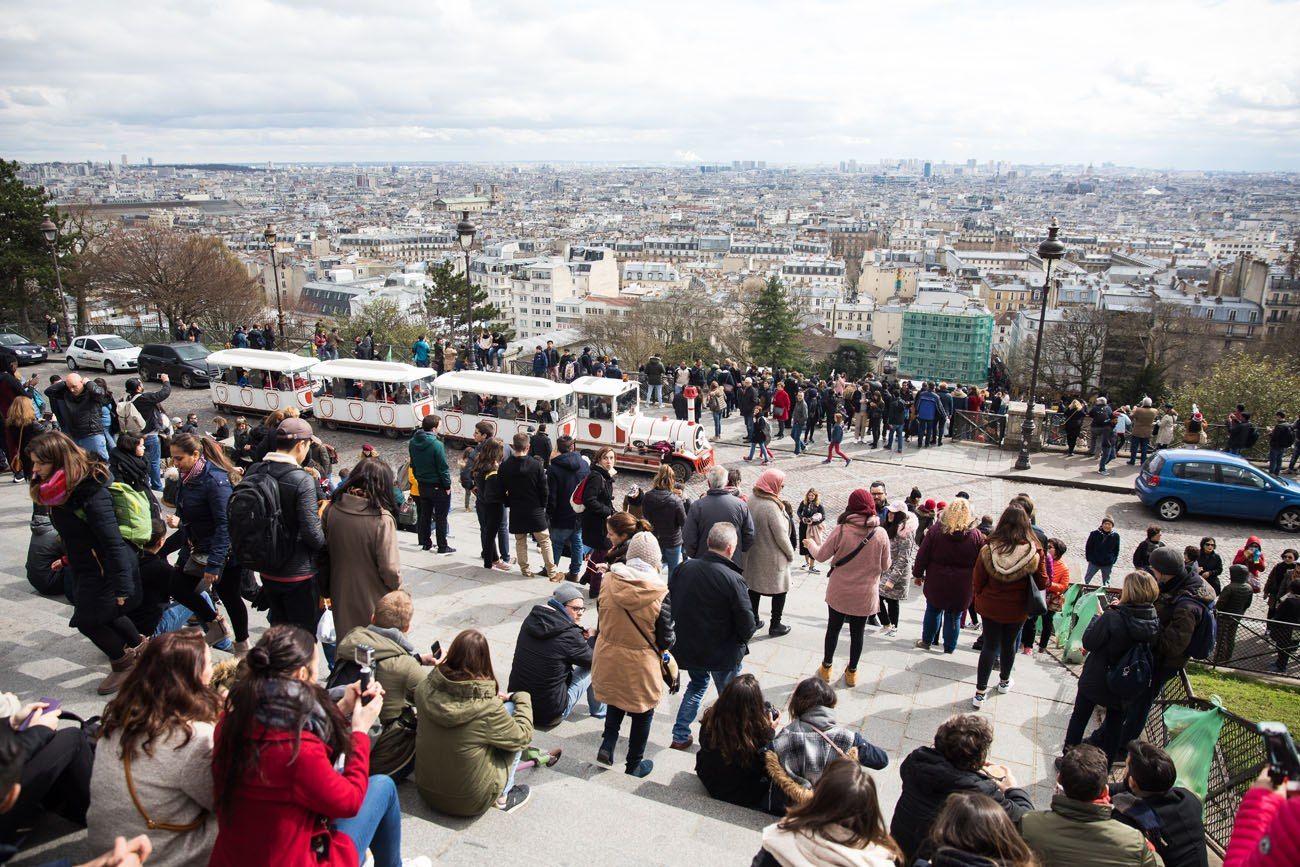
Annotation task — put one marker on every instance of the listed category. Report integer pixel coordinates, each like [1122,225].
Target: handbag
[849,556]
[149,822]
[667,665]
[1035,600]
[196,565]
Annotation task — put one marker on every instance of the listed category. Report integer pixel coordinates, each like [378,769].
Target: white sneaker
[417,861]
[1004,687]
[978,701]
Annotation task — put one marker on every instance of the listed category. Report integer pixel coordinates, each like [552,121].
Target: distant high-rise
[124,162]
[151,162]
[925,172]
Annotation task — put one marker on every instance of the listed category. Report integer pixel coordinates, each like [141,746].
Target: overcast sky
[1213,85]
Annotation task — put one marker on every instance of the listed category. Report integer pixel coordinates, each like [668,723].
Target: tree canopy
[445,301]
[774,328]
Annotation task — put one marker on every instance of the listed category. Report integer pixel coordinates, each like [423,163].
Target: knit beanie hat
[1167,561]
[566,593]
[1238,573]
[645,547]
[861,503]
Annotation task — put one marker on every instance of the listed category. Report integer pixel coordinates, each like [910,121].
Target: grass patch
[1255,700]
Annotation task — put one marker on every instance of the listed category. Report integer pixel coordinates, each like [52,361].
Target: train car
[507,402]
[258,381]
[379,395]
[609,414]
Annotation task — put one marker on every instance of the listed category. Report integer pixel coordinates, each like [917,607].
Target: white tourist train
[382,395]
[258,381]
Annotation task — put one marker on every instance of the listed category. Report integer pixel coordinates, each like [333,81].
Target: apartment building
[947,343]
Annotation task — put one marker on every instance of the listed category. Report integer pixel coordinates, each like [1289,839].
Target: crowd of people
[300,738]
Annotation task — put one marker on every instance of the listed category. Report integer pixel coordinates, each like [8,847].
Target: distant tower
[925,172]
[124,162]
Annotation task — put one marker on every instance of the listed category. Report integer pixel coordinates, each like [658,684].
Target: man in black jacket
[523,481]
[150,406]
[746,399]
[82,400]
[714,623]
[1168,816]
[564,474]
[290,593]
[553,658]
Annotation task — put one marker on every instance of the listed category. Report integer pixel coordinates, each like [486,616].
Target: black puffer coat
[102,562]
[1107,639]
[550,646]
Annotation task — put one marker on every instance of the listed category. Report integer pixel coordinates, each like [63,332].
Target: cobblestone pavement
[901,697]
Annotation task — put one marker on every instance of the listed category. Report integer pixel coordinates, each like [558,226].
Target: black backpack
[259,535]
[1132,672]
[1207,629]
[1252,435]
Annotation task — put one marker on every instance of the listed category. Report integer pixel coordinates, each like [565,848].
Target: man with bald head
[82,400]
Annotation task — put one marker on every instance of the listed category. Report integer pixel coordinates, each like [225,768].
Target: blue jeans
[96,444]
[655,393]
[762,447]
[925,433]
[796,432]
[951,627]
[749,429]
[580,684]
[1093,569]
[717,425]
[377,826]
[693,695]
[568,539]
[514,763]
[1133,444]
[1275,460]
[1107,455]
[672,557]
[153,454]
[894,438]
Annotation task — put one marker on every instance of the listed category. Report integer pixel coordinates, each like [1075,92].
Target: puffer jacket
[82,412]
[945,562]
[1107,639]
[298,505]
[465,742]
[666,512]
[102,564]
[550,646]
[928,779]
[201,506]
[634,607]
[1001,580]
[1180,607]
[562,478]
[1266,832]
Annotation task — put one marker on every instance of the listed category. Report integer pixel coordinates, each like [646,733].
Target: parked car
[102,350]
[186,363]
[1177,481]
[18,347]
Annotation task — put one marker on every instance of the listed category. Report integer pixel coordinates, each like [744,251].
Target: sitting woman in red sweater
[279,799]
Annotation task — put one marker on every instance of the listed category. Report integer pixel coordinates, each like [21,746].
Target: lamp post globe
[270,236]
[50,231]
[1050,250]
[465,231]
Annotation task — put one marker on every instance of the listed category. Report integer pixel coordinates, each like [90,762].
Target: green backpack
[134,517]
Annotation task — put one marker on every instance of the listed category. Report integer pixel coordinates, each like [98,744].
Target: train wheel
[330,424]
[392,433]
[682,469]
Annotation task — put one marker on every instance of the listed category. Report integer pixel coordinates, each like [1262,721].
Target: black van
[186,363]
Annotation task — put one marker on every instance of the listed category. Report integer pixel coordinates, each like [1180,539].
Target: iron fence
[1239,756]
[1054,433]
[1248,643]
[1218,436]
[989,428]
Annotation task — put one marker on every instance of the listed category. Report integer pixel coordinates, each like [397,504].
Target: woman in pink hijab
[769,557]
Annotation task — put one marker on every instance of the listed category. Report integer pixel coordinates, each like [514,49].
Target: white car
[103,350]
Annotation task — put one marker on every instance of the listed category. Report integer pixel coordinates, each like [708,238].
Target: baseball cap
[293,429]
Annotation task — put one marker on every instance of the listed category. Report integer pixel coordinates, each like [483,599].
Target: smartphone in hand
[51,705]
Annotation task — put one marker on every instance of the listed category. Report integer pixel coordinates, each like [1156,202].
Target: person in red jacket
[279,800]
[1267,828]
[1251,555]
[781,410]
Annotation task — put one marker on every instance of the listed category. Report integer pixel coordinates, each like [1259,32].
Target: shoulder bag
[855,552]
[1036,597]
[667,665]
[139,808]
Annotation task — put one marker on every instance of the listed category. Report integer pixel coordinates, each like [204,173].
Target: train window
[401,394]
[627,400]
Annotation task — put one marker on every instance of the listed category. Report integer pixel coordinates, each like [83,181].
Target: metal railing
[1054,433]
[1255,644]
[1239,756]
[989,428]
[1218,436]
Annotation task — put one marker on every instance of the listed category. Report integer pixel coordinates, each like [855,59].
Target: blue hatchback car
[1177,481]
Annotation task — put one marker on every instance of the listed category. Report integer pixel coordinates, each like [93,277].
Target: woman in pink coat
[858,550]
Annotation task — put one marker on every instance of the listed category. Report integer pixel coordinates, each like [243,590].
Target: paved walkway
[580,811]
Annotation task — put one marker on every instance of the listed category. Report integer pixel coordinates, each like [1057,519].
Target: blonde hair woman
[1108,639]
[943,568]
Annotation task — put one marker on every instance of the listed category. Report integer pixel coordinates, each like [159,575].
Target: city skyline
[334,82]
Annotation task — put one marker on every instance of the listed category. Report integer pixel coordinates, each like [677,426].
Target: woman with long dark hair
[973,828]
[73,484]
[153,764]
[1010,559]
[841,823]
[206,562]
[470,735]
[490,501]
[127,461]
[21,427]
[277,746]
[363,561]
[734,731]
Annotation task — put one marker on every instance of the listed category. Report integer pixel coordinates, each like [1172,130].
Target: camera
[365,660]
[1283,760]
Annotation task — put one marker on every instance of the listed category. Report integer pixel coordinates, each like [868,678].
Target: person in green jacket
[470,737]
[1078,831]
[429,464]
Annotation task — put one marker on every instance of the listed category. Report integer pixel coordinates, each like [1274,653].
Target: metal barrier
[1254,644]
[1218,436]
[1054,433]
[989,428]
[1239,756]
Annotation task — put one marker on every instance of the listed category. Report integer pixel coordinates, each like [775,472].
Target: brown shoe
[555,577]
[120,669]
[824,672]
[850,677]
[527,573]
[683,745]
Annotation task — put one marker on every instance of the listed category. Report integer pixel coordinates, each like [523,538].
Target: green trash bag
[1062,619]
[1086,609]
[1195,734]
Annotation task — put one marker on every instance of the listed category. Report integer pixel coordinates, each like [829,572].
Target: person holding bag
[1010,576]
[858,550]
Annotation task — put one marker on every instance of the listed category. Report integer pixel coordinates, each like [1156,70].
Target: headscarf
[770,483]
[861,503]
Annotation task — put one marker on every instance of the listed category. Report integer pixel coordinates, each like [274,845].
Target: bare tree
[184,277]
[654,327]
[1074,350]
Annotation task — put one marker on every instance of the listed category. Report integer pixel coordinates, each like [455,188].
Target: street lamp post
[51,233]
[1049,251]
[465,231]
[269,235]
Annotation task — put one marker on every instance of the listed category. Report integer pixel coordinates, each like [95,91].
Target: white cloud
[1159,83]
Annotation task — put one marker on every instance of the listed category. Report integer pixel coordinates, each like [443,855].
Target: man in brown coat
[1144,425]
